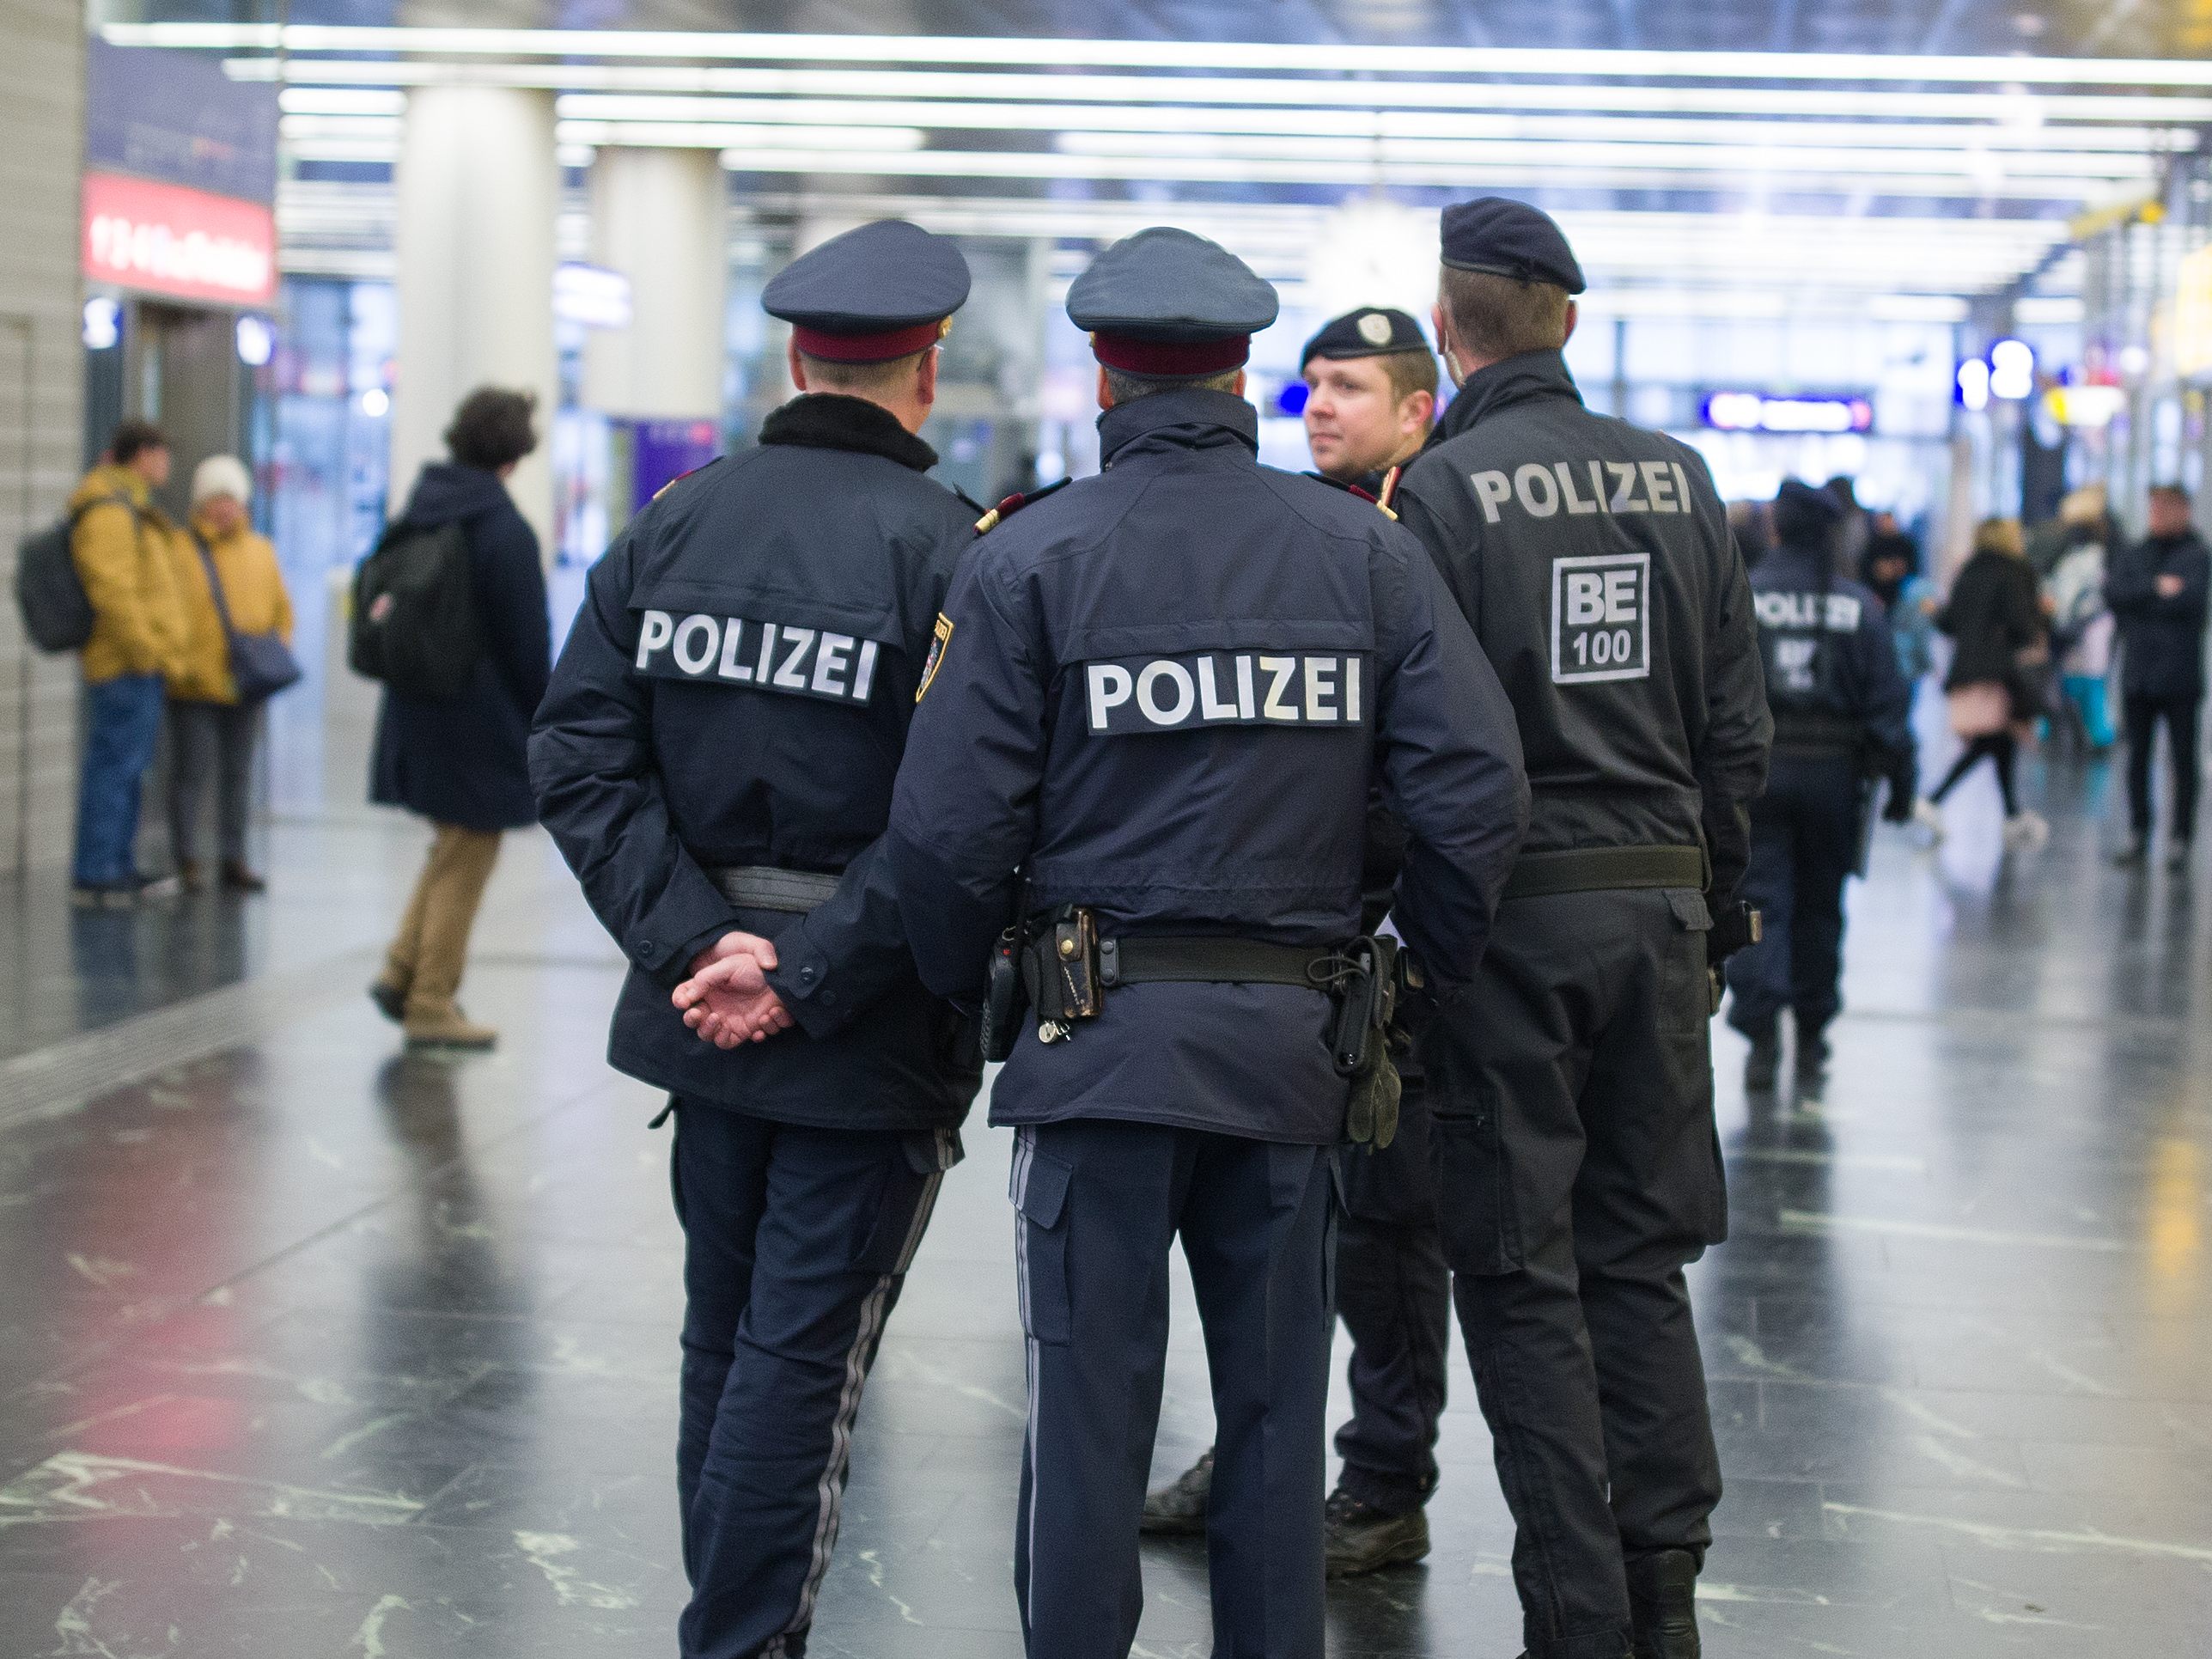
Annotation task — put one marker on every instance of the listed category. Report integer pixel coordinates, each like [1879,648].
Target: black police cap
[879,292]
[1803,512]
[1374,331]
[1165,302]
[1506,238]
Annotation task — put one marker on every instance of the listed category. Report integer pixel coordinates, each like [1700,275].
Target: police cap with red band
[885,290]
[1172,305]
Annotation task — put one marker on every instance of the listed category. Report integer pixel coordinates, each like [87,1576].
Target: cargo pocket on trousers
[1685,985]
[1479,1231]
[1039,1190]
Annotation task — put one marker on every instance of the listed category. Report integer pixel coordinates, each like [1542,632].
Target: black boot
[1662,1600]
[1179,1508]
[1764,1064]
[1811,1054]
[1362,1538]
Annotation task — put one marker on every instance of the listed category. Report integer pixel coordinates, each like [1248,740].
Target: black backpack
[414,614]
[57,611]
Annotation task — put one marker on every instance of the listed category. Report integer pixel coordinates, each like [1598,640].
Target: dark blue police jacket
[1163,692]
[1830,669]
[736,692]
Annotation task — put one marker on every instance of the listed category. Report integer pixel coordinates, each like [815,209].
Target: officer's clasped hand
[728,1000]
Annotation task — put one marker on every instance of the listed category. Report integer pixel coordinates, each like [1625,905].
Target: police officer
[716,758]
[1577,1166]
[1162,695]
[1842,718]
[1371,397]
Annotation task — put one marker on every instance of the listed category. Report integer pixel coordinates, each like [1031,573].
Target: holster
[1060,970]
[1363,1039]
[1006,998]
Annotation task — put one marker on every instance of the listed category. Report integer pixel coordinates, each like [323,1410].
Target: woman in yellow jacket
[212,734]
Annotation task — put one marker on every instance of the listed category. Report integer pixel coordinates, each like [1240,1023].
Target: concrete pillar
[661,218]
[477,189]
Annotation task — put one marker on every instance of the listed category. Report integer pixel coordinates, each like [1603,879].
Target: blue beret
[1165,302]
[1376,331]
[1506,238]
[880,292]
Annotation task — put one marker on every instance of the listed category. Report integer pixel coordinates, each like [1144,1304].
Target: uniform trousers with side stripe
[1101,1205]
[796,1243]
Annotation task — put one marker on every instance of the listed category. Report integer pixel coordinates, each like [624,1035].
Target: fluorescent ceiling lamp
[1358,123]
[1028,51]
[1784,166]
[2015,109]
[2048,311]
[1917,308]
[693,136]
[1547,169]
[341,101]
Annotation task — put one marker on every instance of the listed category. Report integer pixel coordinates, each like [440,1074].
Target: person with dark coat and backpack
[460,760]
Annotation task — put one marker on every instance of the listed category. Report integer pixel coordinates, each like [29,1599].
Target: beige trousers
[426,959]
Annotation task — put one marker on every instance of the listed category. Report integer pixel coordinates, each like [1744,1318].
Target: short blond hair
[2000,535]
[861,380]
[1499,317]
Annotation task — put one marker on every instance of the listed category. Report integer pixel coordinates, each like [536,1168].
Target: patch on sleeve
[939,640]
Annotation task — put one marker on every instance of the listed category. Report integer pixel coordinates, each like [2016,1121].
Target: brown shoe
[445,1027]
[237,878]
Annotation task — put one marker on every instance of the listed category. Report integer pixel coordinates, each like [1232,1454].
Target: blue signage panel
[177,117]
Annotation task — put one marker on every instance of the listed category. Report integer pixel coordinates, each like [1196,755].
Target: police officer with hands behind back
[1842,718]
[1162,695]
[1578,1169]
[1371,395]
[716,760]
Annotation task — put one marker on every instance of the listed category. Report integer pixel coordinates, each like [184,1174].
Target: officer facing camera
[1577,1167]
[716,760]
[1162,695]
[1842,721]
[1371,383]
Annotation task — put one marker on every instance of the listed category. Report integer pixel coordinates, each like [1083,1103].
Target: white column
[661,218]
[478,187]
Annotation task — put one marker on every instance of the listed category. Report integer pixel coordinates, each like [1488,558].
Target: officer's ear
[1574,316]
[798,368]
[1416,412]
[1105,389]
[1237,390]
[925,377]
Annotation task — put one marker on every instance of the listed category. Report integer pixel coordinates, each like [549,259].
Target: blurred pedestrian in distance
[462,762]
[2050,542]
[1996,619]
[121,545]
[1748,523]
[2157,590]
[2082,623]
[1893,572]
[1852,536]
[213,730]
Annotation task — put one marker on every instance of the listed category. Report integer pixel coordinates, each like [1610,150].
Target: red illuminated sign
[165,239]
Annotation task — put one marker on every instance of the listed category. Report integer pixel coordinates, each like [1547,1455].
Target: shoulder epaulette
[680,477]
[1013,503]
[1379,503]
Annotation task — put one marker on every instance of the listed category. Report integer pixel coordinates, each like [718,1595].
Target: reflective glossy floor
[310,1351]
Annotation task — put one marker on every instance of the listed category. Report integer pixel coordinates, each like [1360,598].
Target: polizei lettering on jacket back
[770,656]
[1578,488]
[1224,688]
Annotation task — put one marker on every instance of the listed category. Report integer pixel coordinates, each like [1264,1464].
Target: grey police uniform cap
[881,291]
[1505,238]
[1164,302]
[1373,331]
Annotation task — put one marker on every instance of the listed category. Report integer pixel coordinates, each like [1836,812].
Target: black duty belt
[764,886]
[1604,869]
[1817,733]
[1213,961]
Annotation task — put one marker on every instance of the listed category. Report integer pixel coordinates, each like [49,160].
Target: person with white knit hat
[229,583]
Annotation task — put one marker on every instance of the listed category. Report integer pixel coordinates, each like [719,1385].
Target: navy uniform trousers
[796,1244]
[1394,1294]
[1101,1205]
[1578,1172]
[1805,845]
